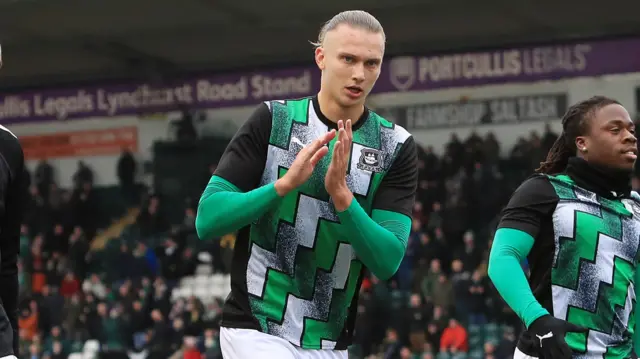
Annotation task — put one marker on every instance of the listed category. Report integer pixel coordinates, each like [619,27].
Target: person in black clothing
[577,221]
[12,199]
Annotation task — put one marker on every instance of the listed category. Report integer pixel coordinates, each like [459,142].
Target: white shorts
[252,344]
[520,355]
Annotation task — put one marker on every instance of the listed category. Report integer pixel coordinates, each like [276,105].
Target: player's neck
[334,112]
[599,179]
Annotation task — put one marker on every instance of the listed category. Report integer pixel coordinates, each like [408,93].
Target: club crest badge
[370,160]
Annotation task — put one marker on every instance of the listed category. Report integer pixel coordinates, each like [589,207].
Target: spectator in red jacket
[190,350]
[454,338]
[70,285]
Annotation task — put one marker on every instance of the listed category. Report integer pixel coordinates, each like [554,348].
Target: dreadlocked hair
[574,124]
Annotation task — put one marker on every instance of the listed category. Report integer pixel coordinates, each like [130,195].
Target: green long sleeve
[510,247]
[224,209]
[380,241]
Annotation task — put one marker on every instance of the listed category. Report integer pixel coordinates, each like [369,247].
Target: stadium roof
[63,41]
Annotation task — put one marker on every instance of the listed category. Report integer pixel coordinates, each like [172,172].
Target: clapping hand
[304,164]
[335,181]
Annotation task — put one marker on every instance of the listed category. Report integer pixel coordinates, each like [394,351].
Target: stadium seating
[144,258]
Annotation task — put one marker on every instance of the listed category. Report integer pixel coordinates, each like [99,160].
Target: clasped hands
[335,181]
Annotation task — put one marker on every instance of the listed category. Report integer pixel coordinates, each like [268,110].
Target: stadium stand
[102,278]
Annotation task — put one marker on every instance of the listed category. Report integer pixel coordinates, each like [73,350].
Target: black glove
[549,334]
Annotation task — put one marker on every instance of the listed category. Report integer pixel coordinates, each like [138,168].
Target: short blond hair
[355,18]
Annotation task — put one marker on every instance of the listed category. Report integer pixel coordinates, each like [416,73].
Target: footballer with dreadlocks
[577,221]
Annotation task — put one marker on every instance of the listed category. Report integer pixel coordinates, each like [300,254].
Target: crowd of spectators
[439,304]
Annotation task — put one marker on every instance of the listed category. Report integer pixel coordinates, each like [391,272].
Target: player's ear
[319,55]
[582,143]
